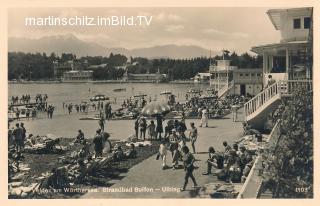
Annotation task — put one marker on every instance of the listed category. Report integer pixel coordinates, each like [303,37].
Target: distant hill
[71,44]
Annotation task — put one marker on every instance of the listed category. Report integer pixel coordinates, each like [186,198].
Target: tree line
[39,66]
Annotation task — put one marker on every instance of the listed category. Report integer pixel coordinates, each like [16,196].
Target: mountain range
[69,43]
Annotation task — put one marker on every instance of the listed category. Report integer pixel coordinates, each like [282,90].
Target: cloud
[174,28]
[213,31]
[165,17]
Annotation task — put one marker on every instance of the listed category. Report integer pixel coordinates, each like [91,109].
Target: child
[151,130]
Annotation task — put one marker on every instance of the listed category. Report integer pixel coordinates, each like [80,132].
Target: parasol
[155,108]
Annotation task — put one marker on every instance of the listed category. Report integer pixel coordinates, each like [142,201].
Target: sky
[236,29]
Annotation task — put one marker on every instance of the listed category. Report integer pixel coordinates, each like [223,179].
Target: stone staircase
[258,108]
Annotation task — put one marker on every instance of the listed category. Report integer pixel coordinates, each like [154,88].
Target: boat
[166,92]
[99,97]
[120,90]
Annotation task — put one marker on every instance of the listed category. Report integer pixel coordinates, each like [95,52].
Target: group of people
[118,154]
[232,165]
[25,98]
[17,136]
[213,107]
[138,102]
[154,130]
[82,107]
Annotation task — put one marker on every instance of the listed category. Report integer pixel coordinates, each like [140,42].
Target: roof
[259,49]
[274,15]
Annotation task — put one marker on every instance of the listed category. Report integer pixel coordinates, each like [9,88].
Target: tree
[288,170]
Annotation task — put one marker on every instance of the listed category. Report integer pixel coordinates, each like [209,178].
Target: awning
[279,46]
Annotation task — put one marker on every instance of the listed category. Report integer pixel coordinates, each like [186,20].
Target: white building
[77,76]
[221,74]
[291,57]
[202,78]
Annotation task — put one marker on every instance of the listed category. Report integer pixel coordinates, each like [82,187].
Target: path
[148,174]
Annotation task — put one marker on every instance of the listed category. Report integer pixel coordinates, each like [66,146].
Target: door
[243,89]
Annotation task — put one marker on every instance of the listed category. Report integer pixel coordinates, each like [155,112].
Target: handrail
[283,87]
[253,104]
[225,88]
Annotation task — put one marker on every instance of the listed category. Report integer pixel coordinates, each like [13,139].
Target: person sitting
[235,147]
[118,154]
[132,152]
[80,137]
[227,148]
[232,167]
[246,172]
[215,160]
[235,173]
[245,156]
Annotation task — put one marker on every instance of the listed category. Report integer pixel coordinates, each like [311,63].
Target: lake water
[66,125]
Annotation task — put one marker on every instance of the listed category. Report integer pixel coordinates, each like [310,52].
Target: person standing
[163,154]
[136,126]
[143,128]
[188,160]
[98,145]
[159,128]
[151,130]
[270,81]
[23,134]
[101,122]
[234,109]
[193,135]
[28,114]
[17,135]
[204,118]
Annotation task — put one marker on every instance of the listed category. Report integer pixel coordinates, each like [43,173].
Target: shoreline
[103,82]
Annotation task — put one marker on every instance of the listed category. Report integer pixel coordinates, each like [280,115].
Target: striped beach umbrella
[154,108]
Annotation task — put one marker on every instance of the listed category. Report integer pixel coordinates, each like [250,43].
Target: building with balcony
[290,58]
[221,74]
[289,62]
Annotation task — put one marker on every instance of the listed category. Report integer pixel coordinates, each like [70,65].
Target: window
[241,75]
[252,74]
[306,23]
[258,75]
[296,23]
[247,75]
